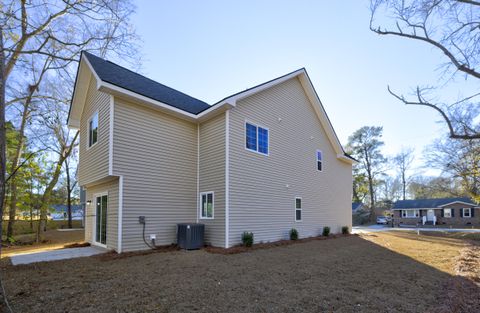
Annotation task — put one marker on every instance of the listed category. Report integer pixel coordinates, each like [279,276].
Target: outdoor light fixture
[89,202]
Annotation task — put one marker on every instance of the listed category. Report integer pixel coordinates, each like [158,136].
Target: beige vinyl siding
[110,187]
[93,161]
[263,188]
[212,176]
[157,156]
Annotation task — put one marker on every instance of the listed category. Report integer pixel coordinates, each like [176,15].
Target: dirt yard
[378,273]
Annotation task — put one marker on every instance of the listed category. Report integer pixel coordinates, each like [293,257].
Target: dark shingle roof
[124,78]
[428,203]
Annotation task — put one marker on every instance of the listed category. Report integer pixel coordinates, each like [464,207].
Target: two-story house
[264,160]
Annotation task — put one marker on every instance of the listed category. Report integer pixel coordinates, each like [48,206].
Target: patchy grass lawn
[383,272]
[52,239]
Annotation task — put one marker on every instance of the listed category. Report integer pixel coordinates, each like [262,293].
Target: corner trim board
[120,214]
[110,137]
[227,178]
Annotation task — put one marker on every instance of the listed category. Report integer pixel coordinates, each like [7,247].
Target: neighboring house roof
[118,81]
[430,203]
[63,207]
[356,205]
[124,78]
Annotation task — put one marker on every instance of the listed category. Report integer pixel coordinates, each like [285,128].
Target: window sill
[90,147]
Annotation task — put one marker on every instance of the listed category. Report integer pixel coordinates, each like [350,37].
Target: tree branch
[422,102]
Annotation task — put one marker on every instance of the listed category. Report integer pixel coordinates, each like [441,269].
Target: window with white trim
[447,212]
[93,129]
[467,212]
[298,209]
[410,213]
[206,205]
[256,138]
[319,160]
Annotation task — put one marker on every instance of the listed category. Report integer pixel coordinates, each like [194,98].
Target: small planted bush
[293,234]
[247,239]
[345,230]
[326,231]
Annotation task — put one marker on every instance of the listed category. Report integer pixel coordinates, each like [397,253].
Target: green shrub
[345,230]
[326,231]
[293,234]
[247,239]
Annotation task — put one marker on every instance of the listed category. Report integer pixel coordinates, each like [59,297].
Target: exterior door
[101,203]
[430,215]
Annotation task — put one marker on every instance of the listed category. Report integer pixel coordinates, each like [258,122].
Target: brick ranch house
[445,211]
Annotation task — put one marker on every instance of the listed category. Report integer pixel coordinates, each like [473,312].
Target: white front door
[430,215]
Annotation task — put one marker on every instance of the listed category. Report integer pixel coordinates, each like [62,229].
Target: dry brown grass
[347,274]
[438,251]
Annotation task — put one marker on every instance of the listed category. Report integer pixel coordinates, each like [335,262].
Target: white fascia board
[233,99]
[344,158]
[458,202]
[73,124]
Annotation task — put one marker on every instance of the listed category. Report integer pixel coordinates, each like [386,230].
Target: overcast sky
[210,49]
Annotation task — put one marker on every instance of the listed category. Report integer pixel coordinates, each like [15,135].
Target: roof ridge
[88,55]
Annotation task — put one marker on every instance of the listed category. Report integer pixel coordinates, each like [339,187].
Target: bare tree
[37,31]
[26,110]
[459,161]
[452,28]
[403,162]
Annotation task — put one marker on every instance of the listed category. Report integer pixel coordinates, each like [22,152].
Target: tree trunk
[42,225]
[3,141]
[15,163]
[69,198]
[64,154]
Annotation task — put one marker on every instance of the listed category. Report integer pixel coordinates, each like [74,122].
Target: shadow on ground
[347,274]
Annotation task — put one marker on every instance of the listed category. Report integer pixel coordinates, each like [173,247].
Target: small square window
[467,212]
[447,213]
[256,138]
[206,205]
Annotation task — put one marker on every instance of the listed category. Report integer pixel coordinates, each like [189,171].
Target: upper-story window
[93,129]
[319,160]
[256,138]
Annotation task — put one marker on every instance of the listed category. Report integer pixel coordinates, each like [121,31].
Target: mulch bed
[241,248]
[115,256]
